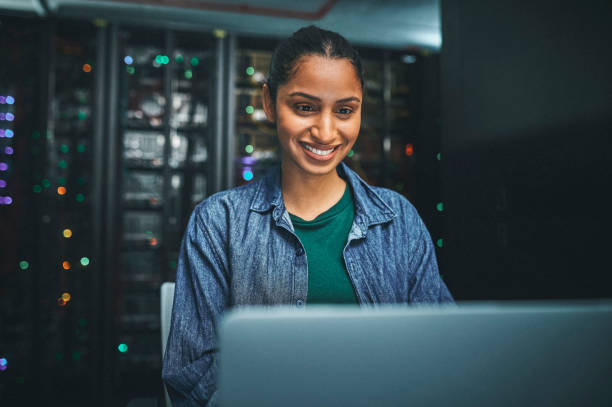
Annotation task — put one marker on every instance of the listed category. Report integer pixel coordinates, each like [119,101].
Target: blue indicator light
[10,100]
[247,175]
[128,60]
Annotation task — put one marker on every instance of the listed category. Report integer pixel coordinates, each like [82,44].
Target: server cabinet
[48,280]
[256,145]
[164,96]
[385,152]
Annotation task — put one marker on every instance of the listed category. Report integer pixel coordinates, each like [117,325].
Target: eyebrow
[306,95]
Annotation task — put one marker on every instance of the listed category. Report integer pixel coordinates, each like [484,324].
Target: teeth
[316,151]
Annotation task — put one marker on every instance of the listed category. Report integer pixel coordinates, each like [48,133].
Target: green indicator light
[173,264]
[36,134]
[179,59]
[194,61]
[37,188]
[350,154]
[84,261]
[61,180]
[249,109]
[82,115]
[76,355]
[81,148]
[45,183]
[438,156]
[62,164]
[64,148]
[250,70]
[158,59]
[249,149]
[130,70]
[439,243]
[440,206]
[24,264]
[80,197]
[188,73]
[165,60]
[122,348]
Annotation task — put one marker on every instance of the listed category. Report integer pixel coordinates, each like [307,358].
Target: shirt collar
[370,208]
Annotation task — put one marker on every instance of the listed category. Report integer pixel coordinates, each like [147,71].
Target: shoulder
[403,209]
[223,206]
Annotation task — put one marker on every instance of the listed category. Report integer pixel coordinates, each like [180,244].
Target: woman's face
[317,114]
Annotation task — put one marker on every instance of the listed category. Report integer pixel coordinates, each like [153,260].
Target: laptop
[473,354]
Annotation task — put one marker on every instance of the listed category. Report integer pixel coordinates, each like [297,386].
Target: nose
[324,130]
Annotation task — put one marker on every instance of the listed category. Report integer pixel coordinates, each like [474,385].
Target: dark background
[527,120]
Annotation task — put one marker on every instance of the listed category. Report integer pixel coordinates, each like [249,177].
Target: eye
[304,108]
[345,111]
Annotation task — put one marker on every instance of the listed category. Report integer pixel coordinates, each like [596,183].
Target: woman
[309,232]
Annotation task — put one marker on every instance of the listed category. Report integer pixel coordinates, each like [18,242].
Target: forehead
[318,75]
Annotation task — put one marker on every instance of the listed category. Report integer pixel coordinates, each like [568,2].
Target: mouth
[320,154]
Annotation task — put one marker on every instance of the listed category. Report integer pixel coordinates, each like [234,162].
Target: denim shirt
[240,249]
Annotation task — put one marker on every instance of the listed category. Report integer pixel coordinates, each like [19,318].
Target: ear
[267,103]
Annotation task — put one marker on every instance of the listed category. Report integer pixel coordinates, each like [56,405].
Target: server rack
[384,153]
[49,326]
[165,91]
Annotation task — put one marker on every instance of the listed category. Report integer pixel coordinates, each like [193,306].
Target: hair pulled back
[307,41]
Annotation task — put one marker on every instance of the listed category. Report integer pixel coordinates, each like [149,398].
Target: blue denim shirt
[240,249]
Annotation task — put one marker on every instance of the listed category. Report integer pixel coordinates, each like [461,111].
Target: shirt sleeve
[190,366]
[427,285]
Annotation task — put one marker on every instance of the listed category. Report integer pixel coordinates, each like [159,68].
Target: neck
[307,195]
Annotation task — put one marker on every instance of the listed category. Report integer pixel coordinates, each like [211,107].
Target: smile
[318,154]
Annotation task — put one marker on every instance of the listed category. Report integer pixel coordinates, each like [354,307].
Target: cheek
[350,128]
[288,125]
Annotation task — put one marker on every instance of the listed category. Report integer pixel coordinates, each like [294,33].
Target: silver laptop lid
[502,354]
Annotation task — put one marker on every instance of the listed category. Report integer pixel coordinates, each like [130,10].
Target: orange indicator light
[409,150]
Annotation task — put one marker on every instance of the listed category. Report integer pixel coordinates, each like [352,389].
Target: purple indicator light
[2,183]
[10,117]
[10,100]
[2,133]
[9,133]
[3,166]
[8,150]
[2,116]
[247,160]
[2,100]
[7,200]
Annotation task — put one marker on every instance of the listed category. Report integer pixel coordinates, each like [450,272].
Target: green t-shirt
[324,239]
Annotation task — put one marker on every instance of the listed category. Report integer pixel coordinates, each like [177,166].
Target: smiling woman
[318,116]
[309,232]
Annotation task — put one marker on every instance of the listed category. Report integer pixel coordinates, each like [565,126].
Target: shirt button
[299,303]
[299,251]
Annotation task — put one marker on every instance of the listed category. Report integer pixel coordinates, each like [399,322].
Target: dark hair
[310,40]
